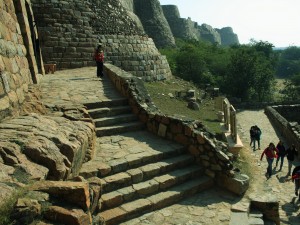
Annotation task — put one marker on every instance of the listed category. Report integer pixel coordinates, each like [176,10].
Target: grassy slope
[174,106]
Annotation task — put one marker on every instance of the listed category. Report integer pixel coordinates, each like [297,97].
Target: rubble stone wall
[290,130]
[209,152]
[16,73]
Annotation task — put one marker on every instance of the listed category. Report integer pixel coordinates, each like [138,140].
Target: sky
[274,21]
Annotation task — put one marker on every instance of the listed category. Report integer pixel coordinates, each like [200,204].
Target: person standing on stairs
[99,58]
[271,153]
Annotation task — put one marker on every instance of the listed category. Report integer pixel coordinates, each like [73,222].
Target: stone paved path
[289,205]
[210,207]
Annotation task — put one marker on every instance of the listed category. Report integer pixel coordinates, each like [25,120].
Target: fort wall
[288,127]
[18,58]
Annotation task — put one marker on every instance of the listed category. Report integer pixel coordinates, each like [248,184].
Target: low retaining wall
[209,152]
[289,130]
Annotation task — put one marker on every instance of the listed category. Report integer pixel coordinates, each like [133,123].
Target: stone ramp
[141,172]
[76,86]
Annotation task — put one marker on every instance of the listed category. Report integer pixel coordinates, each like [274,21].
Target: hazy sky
[275,21]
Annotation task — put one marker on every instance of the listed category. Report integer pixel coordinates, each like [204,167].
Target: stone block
[76,193]
[239,218]
[67,216]
[237,184]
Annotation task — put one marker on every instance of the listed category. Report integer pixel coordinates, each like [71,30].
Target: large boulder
[44,147]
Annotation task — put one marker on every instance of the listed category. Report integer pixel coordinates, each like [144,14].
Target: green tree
[250,72]
[289,62]
[191,64]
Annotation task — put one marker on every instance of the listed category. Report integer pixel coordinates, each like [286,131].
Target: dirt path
[275,186]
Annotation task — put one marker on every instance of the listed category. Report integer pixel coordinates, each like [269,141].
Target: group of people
[279,152]
[255,133]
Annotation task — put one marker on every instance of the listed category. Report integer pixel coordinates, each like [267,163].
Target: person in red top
[99,58]
[271,153]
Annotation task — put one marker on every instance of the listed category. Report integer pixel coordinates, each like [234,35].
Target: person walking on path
[296,179]
[281,154]
[291,152]
[252,136]
[99,58]
[257,136]
[270,153]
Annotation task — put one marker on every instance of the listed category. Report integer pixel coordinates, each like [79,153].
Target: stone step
[121,128]
[101,169]
[113,120]
[148,187]
[157,201]
[133,175]
[109,111]
[107,103]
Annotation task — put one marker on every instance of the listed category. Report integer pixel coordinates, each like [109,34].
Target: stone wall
[181,28]
[70,31]
[289,112]
[188,29]
[154,22]
[137,55]
[227,36]
[18,65]
[290,130]
[209,152]
[208,33]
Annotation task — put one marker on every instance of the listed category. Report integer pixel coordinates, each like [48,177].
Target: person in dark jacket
[252,136]
[257,136]
[270,153]
[281,153]
[99,58]
[291,152]
[296,179]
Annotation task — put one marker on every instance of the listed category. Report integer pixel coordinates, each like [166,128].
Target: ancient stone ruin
[46,149]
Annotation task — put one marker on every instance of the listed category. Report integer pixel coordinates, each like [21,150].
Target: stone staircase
[139,171]
[145,181]
[113,116]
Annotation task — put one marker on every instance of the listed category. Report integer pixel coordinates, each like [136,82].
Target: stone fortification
[181,28]
[129,6]
[70,30]
[227,36]
[137,55]
[286,119]
[18,62]
[188,29]
[154,22]
[208,33]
